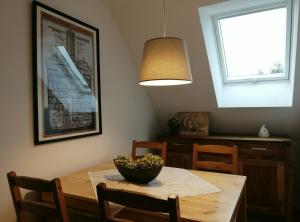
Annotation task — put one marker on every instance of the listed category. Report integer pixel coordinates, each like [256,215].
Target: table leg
[242,215]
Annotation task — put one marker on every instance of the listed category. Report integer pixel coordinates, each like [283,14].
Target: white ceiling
[140,20]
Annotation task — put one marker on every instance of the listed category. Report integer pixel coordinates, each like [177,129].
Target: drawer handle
[258,148]
[177,144]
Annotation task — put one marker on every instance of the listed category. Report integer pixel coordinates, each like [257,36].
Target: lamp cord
[165,27]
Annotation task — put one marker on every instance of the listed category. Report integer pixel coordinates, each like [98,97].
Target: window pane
[254,44]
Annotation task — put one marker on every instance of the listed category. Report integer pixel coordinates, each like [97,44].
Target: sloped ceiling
[140,20]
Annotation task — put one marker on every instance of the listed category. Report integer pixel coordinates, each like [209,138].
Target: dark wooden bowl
[139,175]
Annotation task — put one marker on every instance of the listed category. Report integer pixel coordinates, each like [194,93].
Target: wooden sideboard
[265,162]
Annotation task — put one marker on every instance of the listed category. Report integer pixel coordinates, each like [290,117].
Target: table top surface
[209,207]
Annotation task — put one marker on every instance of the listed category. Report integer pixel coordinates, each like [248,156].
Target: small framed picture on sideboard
[194,123]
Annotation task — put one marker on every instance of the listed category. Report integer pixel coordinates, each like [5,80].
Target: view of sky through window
[254,44]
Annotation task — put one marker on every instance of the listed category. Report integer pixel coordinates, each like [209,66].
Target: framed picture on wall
[66,79]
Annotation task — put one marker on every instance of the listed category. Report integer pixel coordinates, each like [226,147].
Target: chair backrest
[136,201]
[150,145]
[37,207]
[230,166]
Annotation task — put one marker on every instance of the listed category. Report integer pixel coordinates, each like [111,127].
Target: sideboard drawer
[181,160]
[261,150]
[179,146]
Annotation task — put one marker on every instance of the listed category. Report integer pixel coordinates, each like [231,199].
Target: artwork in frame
[66,79]
[193,123]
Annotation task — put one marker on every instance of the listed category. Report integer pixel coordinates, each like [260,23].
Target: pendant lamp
[165,61]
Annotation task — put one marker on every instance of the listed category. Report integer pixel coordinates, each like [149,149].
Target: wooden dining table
[227,205]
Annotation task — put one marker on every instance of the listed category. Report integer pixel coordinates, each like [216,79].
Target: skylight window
[251,48]
[254,46]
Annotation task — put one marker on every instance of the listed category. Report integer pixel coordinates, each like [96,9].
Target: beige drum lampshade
[165,62]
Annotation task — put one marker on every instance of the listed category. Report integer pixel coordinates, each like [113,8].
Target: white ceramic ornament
[263,131]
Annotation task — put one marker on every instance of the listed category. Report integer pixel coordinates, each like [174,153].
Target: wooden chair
[136,201]
[44,210]
[213,164]
[150,145]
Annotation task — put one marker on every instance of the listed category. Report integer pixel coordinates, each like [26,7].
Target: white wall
[141,20]
[126,111]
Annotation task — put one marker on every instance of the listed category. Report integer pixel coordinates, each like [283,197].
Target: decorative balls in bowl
[141,170]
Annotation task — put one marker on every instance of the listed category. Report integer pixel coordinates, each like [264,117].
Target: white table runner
[170,181]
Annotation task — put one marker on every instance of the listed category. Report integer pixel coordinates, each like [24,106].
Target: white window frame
[221,54]
[249,94]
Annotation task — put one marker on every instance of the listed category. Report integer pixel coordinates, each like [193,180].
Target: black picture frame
[66,76]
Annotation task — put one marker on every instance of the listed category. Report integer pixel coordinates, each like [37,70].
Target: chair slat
[149,144]
[212,165]
[219,149]
[135,200]
[36,184]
